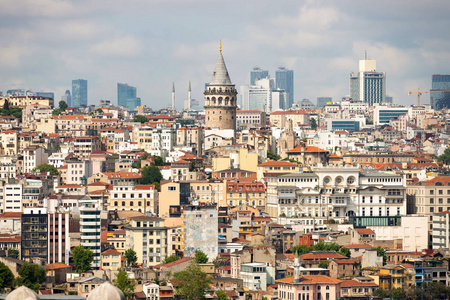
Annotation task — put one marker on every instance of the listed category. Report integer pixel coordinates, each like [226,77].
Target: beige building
[248,192]
[26,100]
[281,118]
[273,166]
[148,237]
[191,137]
[220,99]
[142,198]
[9,142]
[112,259]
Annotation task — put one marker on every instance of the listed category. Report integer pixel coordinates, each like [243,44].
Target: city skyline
[317,40]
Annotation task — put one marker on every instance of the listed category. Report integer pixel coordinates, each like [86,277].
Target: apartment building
[142,198]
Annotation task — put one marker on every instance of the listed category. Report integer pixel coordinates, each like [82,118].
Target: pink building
[313,287]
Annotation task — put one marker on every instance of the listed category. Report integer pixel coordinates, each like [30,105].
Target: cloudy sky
[150,43]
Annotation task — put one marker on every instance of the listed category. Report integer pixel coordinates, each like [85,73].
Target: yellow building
[246,160]
[9,144]
[273,166]
[112,259]
[26,100]
[248,192]
[148,237]
[280,118]
[142,198]
[117,240]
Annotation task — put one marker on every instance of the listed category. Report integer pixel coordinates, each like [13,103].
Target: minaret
[189,97]
[173,96]
[220,98]
[296,267]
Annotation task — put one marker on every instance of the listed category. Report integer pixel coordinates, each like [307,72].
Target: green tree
[31,276]
[432,291]
[82,258]
[140,119]
[344,251]
[273,156]
[382,252]
[56,112]
[378,140]
[170,259]
[13,252]
[158,161]
[6,105]
[62,105]
[323,264]
[99,111]
[125,284]
[6,276]
[445,157]
[131,257]
[221,295]
[151,174]
[201,257]
[46,168]
[313,124]
[380,293]
[192,283]
[398,294]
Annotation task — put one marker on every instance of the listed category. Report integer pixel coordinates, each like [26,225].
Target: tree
[13,252]
[382,252]
[82,258]
[273,156]
[56,112]
[445,157]
[6,276]
[170,259]
[158,161]
[378,140]
[313,124]
[125,284]
[99,111]
[380,293]
[131,257]
[323,264]
[31,276]
[398,293]
[140,119]
[62,105]
[432,291]
[6,105]
[151,174]
[221,295]
[44,168]
[201,257]
[192,283]
[344,251]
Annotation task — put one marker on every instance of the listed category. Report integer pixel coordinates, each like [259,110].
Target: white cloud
[124,46]
[10,56]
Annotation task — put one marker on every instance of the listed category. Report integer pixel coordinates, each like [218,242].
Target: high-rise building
[368,85]
[126,96]
[46,94]
[79,92]
[67,98]
[322,101]
[257,96]
[257,73]
[439,100]
[284,79]
[90,229]
[220,98]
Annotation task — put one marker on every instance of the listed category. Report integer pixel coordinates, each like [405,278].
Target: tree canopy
[273,156]
[192,283]
[82,258]
[313,124]
[31,276]
[125,284]
[158,161]
[445,157]
[151,174]
[221,295]
[170,259]
[320,246]
[131,257]
[62,105]
[47,168]
[382,252]
[11,111]
[6,276]
[140,119]
[201,257]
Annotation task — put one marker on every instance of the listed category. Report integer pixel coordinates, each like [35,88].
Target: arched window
[131,203]
[115,203]
[220,118]
[123,203]
[148,203]
[139,203]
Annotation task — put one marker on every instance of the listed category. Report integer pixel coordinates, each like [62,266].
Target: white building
[368,85]
[250,117]
[12,197]
[57,159]
[254,276]
[33,157]
[441,230]
[90,229]
[151,291]
[77,169]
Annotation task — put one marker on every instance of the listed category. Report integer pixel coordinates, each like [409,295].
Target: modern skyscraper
[439,100]
[284,79]
[220,98]
[46,94]
[257,96]
[126,96]
[67,98]
[368,85]
[257,73]
[79,92]
[321,101]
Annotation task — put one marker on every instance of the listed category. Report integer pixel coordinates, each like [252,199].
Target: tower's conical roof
[220,75]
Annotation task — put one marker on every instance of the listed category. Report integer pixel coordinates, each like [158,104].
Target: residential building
[79,93]
[142,198]
[112,259]
[248,192]
[35,235]
[383,114]
[247,118]
[148,237]
[90,229]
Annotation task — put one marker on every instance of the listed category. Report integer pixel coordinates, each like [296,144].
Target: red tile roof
[364,231]
[275,163]
[352,283]
[111,252]
[57,266]
[322,255]
[306,149]
[356,246]
[311,279]
[122,175]
[181,260]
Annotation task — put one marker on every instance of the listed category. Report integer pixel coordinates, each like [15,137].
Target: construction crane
[419,92]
